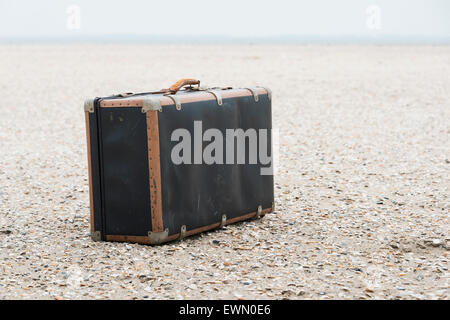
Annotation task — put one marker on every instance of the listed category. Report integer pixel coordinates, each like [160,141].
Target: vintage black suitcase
[168,164]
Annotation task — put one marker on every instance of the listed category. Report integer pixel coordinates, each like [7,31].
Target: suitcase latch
[254,93]
[175,100]
[217,95]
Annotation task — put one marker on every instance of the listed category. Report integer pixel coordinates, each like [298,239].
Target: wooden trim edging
[146,240]
[184,98]
[154,168]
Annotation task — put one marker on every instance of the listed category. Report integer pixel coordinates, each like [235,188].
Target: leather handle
[183,82]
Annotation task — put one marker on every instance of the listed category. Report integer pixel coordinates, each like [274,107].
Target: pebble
[436,242]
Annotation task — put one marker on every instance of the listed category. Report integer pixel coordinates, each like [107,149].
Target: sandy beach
[362,190]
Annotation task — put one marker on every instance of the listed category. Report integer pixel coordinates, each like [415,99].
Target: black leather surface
[197,195]
[125,176]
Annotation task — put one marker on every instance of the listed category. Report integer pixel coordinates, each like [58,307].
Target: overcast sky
[380,19]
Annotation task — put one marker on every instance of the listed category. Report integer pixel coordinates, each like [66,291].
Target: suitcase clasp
[175,100]
[217,95]
[254,93]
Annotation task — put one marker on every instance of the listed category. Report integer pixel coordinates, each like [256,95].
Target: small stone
[394,245]
[237,295]
[436,242]
[286,292]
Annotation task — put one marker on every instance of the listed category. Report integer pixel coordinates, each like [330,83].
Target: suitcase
[167,164]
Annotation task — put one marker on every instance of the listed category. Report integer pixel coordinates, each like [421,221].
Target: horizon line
[229,39]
